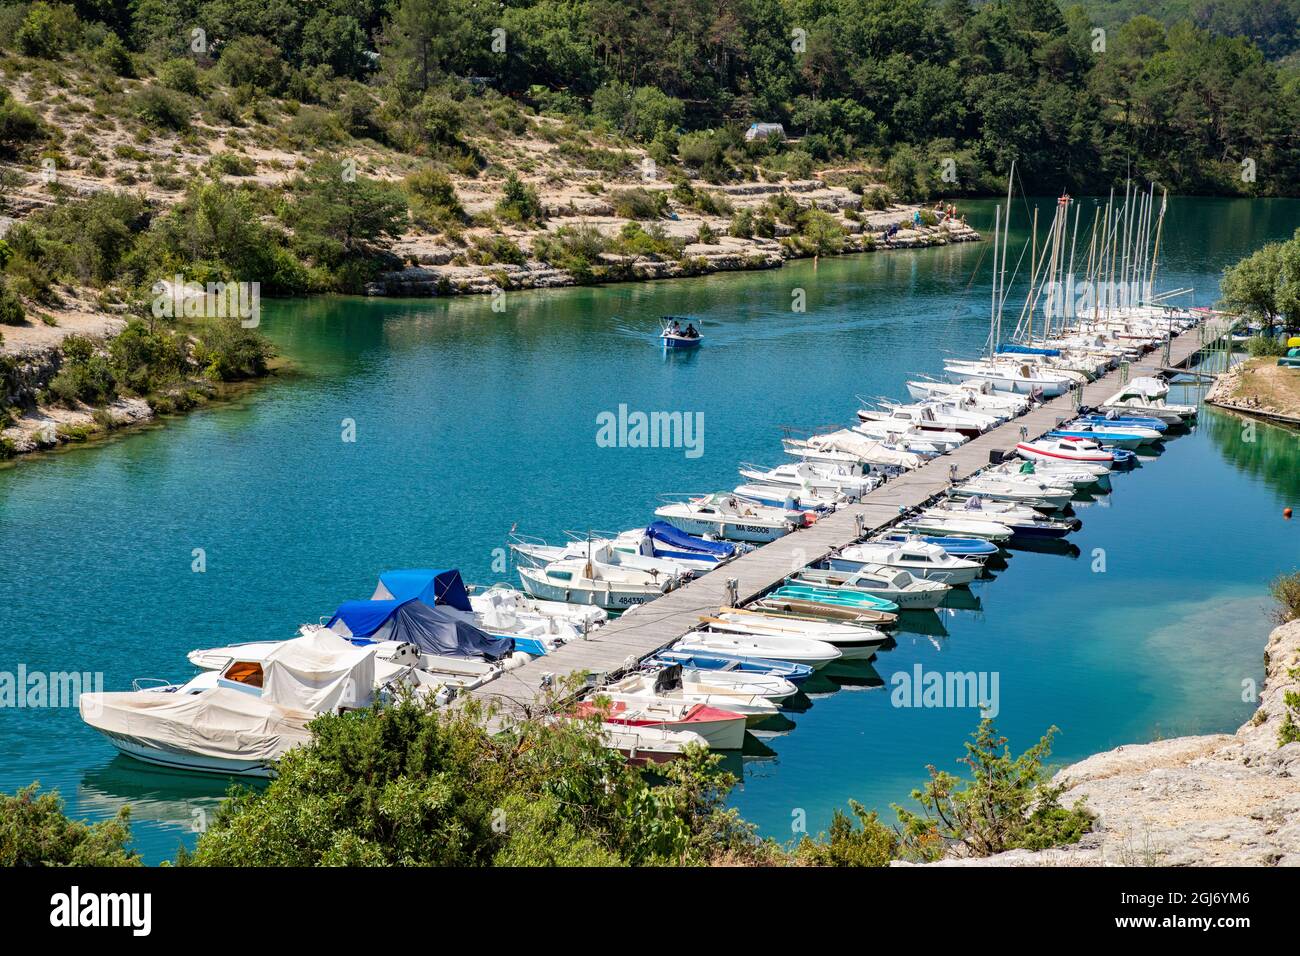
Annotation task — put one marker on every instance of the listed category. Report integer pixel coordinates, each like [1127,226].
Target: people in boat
[690,332]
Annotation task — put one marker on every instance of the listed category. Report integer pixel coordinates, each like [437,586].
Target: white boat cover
[853,443]
[1146,388]
[318,672]
[219,722]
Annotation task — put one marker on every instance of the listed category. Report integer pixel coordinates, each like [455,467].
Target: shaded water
[468,422]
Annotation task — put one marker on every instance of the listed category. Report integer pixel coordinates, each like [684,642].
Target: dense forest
[1080,97]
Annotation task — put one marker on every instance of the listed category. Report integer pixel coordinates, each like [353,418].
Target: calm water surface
[469,422]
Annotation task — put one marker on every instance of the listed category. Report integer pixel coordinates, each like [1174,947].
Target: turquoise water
[468,422]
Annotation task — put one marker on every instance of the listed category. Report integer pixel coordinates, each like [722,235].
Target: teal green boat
[836,597]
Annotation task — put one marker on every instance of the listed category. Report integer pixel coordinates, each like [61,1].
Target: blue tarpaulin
[677,542]
[431,587]
[434,630]
[1026,350]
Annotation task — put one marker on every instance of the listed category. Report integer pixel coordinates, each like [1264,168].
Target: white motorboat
[790,499]
[1004,512]
[1019,377]
[241,719]
[893,584]
[956,527]
[728,516]
[926,418]
[649,744]
[1024,489]
[538,554]
[849,447]
[670,684]
[774,647]
[912,439]
[503,595]
[971,394]
[818,478]
[917,557]
[1146,396]
[772,686]
[853,641]
[1076,474]
[1071,450]
[720,729]
[610,586]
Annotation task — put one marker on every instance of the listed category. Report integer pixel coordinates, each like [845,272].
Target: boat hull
[731,530]
[153,753]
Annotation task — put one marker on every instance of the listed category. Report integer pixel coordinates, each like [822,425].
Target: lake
[469,423]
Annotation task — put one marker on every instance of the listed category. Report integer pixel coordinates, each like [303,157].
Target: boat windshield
[244,672]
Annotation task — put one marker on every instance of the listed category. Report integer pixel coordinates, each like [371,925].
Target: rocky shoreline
[432,272]
[1217,800]
[1259,387]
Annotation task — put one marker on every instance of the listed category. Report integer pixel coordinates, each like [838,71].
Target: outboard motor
[670,678]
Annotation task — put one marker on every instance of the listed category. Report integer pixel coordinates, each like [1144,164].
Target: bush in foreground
[35,832]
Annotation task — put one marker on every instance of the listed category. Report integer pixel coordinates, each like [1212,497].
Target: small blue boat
[1138,420]
[794,673]
[972,549]
[677,336]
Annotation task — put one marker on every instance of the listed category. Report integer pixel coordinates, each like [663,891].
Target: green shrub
[433,198]
[113,56]
[634,240]
[492,249]
[316,127]
[180,74]
[742,224]
[19,125]
[1286,591]
[519,201]
[641,113]
[870,843]
[437,119]
[1008,803]
[356,115]
[85,375]
[48,30]
[576,249]
[822,233]
[159,106]
[228,352]
[11,307]
[35,832]
[232,164]
[411,785]
[1266,346]
[253,62]
[639,203]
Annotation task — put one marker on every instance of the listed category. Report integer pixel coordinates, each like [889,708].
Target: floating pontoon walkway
[621,643]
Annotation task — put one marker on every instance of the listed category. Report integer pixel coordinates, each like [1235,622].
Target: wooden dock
[621,643]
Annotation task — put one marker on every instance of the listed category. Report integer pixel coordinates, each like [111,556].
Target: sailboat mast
[1006,232]
[1074,239]
[993,306]
[1155,253]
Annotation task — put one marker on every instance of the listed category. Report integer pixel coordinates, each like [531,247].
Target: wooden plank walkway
[621,643]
